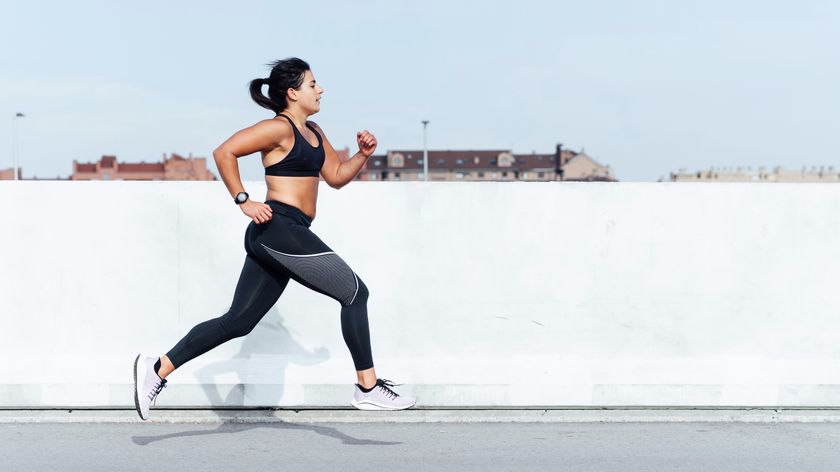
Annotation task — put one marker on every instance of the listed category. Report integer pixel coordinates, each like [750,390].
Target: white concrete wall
[481,294]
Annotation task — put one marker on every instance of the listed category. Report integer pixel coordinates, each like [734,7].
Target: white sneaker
[381,398]
[147,385]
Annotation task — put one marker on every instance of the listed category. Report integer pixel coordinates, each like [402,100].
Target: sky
[646,87]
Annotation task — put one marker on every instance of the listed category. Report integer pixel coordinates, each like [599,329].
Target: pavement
[624,440]
[428,415]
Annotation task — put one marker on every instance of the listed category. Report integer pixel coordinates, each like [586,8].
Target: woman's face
[308,96]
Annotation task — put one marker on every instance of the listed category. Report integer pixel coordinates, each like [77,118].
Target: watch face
[241,197]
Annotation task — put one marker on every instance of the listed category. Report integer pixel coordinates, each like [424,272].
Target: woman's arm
[264,135]
[337,174]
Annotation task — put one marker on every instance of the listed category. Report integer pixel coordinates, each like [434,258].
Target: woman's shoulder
[274,126]
[316,127]
[271,130]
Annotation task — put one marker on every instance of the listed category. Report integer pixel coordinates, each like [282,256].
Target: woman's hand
[367,142]
[257,211]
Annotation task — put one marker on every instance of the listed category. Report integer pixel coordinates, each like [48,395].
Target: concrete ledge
[451,415]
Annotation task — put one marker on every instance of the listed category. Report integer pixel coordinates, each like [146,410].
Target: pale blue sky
[646,86]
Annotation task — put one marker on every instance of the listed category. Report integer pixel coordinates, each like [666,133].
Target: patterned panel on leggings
[325,270]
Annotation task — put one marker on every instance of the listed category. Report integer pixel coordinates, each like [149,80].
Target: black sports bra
[303,160]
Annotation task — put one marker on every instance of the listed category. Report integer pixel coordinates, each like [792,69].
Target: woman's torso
[298,191]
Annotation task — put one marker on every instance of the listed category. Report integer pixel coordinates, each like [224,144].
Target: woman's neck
[296,116]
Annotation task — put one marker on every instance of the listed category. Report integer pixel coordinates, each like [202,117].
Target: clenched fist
[367,142]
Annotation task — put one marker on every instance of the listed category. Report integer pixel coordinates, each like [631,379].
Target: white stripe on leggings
[297,255]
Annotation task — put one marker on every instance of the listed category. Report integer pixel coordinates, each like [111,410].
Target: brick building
[496,165]
[9,174]
[174,167]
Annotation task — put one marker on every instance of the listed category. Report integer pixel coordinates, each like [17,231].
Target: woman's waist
[303,199]
[290,211]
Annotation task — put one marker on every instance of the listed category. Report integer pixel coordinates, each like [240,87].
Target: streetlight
[425,153]
[15,143]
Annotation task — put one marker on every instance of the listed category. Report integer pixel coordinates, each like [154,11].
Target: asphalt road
[283,446]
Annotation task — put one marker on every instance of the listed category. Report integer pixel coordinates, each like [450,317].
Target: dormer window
[506,159]
[396,160]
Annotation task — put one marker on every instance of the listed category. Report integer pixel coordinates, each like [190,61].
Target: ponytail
[285,74]
[262,100]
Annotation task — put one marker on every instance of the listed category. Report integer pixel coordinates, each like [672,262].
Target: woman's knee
[235,324]
[362,293]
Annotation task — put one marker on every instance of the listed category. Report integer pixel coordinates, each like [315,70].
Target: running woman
[278,242]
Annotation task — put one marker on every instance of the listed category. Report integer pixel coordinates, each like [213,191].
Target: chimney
[558,156]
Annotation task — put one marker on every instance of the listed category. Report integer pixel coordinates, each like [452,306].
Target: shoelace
[156,390]
[384,384]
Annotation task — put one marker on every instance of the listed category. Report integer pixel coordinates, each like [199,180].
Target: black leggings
[278,250]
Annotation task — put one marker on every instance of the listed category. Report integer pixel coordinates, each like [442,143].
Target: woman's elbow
[332,179]
[221,153]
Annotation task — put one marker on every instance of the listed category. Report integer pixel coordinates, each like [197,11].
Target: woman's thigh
[297,251]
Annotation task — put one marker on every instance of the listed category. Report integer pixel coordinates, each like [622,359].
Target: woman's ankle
[366,378]
[164,367]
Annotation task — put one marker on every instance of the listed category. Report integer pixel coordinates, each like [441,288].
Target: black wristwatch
[241,198]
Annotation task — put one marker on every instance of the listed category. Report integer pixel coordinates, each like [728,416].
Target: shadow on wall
[269,338]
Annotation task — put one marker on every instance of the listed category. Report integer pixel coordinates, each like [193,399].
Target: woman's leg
[256,292]
[310,262]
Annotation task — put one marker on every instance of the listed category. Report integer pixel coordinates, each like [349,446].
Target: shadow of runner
[235,427]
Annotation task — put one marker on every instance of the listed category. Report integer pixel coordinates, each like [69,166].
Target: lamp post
[425,153]
[15,143]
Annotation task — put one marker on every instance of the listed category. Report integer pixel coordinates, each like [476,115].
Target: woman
[278,242]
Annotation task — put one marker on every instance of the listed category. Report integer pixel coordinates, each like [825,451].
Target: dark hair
[285,74]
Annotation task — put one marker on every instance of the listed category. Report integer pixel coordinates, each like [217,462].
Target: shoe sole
[371,406]
[136,393]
